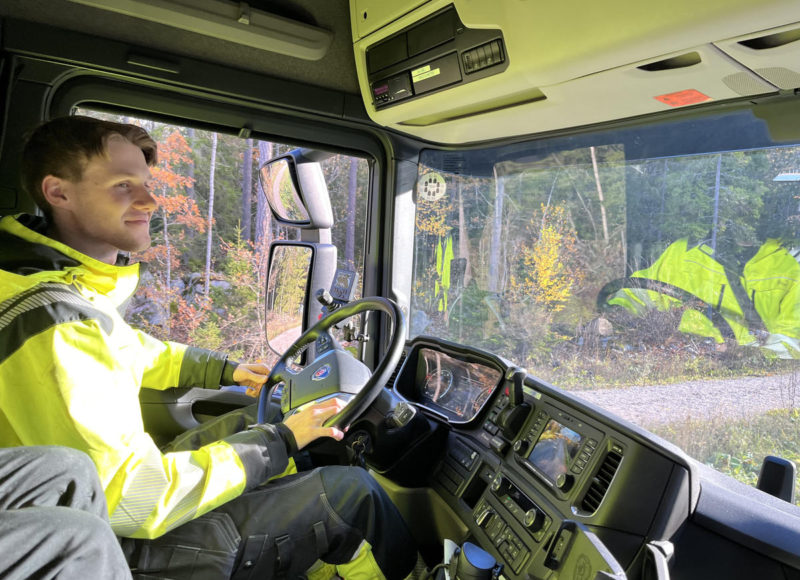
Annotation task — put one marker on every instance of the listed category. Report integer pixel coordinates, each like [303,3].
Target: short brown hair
[64,146]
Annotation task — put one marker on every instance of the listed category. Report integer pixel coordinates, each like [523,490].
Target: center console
[556,460]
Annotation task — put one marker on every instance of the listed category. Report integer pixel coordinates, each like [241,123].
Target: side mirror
[295,188]
[297,270]
[279,183]
[287,289]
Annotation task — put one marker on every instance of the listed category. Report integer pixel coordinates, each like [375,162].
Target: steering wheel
[334,370]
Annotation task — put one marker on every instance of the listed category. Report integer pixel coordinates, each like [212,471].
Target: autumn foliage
[548,268]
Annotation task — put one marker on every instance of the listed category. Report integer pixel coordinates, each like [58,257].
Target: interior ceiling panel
[519,68]
[335,70]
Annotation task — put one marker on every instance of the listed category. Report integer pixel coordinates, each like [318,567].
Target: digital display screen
[458,387]
[343,285]
[555,449]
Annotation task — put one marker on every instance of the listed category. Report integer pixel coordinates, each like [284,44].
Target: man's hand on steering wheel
[306,423]
[251,375]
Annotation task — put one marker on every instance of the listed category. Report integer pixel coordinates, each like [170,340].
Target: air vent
[601,481]
[676,62]
[772,40]
[393,378]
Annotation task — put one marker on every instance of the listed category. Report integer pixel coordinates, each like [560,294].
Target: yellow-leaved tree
[548,269]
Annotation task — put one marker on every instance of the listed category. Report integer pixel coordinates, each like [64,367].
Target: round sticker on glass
[431,187]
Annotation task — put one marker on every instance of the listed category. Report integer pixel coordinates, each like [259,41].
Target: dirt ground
[702,399]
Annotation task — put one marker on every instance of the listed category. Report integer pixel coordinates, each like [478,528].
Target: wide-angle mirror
[279,183]
[287,288]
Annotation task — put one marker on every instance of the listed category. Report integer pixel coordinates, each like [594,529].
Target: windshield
[655,270]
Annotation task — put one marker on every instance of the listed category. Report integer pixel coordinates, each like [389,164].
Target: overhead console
[432,54]
[459,71]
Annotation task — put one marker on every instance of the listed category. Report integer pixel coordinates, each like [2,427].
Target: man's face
[112,204]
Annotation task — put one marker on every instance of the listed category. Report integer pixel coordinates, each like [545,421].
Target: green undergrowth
[576,368]
[737,448]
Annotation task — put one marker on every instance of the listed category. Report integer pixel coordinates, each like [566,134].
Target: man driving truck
[71,369]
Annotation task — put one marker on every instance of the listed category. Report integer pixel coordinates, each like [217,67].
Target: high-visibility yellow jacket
[70,373]
[759,306]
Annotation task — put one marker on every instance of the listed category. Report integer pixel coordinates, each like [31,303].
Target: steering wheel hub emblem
[321,372]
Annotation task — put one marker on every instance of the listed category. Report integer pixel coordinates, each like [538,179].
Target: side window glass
[206,272]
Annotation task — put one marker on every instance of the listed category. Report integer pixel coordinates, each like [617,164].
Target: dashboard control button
[500,537]
[539,535]
[495,528]
[498,444]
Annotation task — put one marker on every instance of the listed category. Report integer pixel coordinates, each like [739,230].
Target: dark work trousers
[53,517]
[280,529]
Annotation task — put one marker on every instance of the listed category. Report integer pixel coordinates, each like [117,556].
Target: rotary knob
[521,447]
[533,519]
[564,481]
[497,483]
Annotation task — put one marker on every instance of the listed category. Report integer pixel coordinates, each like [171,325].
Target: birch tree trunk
[592,150]
[497,231]
[263,216]
[211,172]
[190,166]
[168,269]
[463,240]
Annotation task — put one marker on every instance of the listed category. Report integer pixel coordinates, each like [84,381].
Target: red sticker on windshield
[683,98]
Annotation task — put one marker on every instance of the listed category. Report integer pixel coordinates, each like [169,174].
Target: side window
[206,272]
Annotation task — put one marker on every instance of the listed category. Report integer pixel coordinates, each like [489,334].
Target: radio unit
[524,510]
[557,448]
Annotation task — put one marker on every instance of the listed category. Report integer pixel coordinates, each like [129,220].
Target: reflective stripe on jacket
[70,373]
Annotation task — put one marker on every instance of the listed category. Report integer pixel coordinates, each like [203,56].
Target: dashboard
[538,478]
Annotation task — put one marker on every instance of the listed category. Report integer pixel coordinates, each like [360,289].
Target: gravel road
[702,399]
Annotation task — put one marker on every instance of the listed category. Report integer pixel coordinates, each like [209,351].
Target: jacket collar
[25,250]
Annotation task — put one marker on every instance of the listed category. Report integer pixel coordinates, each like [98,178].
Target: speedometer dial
[438,384]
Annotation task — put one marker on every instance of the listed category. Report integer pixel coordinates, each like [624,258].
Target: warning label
[683,98]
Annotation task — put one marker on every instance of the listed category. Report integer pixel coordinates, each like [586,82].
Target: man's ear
[55,191]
